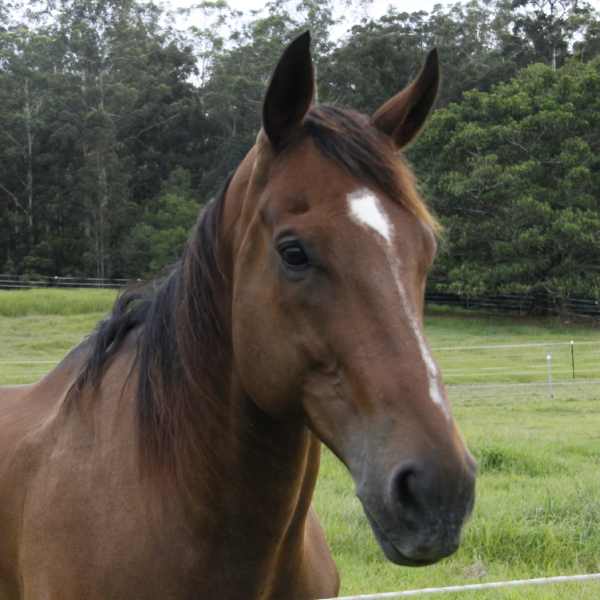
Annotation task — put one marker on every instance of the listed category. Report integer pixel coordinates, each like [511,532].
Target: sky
[375,9]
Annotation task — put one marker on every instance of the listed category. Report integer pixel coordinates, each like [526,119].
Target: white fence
[494,585]
[551,368]
[525,367]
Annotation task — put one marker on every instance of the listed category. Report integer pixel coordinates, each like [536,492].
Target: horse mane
[183,346]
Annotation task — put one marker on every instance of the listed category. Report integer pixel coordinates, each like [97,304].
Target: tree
[381,56]
[589,46]
[95,115]
[27,60]
[157,240]
[514,174]
[551,26]
[232,97]
[103,101]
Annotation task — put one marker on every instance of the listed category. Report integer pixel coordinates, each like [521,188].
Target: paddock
[538,493]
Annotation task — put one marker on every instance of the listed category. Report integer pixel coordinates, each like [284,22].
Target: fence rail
[483,366]
[493,585]
[16,282]
[522,304]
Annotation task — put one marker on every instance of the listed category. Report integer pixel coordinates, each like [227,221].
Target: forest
[119,119]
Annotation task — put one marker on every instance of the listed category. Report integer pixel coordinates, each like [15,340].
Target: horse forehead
[385,221]
[306,182]
[304,170]
[366,209]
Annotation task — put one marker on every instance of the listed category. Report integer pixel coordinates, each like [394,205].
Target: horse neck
[259,492]
[276,461]
[256,468]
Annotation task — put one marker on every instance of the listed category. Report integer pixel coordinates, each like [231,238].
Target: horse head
[331,245]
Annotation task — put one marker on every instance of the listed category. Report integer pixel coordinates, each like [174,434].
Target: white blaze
[366,210]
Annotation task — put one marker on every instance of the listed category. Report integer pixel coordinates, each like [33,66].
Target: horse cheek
[270,370]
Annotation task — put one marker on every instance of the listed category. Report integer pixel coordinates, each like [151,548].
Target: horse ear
[403,116]
[290,92]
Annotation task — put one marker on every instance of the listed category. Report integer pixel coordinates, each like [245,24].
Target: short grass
[474,348]
[538,506]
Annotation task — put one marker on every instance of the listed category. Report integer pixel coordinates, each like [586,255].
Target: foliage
[380,56]
[89,93]
[514,173]
[156,241]
[104,103]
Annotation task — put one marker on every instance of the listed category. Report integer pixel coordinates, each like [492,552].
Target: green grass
[38,327]
[21,303]
[538,500]
[537,509]
[457,340]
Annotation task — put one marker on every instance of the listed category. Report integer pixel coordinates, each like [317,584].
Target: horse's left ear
[403,116]
[290,92]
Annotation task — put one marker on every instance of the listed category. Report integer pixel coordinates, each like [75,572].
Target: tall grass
[21,303]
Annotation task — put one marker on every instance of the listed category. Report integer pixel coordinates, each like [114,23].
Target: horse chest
[93,531]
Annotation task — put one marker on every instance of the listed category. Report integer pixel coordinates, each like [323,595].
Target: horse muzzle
[418,512]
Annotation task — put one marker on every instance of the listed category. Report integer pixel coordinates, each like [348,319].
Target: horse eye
[293,255]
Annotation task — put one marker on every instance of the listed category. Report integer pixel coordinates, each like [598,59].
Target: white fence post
[549,361]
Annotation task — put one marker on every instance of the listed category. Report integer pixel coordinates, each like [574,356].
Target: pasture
[538,505]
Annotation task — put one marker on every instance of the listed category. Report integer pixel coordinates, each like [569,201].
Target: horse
[173,454]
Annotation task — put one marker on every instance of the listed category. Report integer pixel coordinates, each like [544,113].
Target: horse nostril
[405,487]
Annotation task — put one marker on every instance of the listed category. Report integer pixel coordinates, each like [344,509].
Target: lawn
[538,506]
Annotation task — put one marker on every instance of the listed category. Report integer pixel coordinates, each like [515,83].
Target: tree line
[118,120]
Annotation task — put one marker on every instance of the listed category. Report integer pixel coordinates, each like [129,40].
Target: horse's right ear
[290,92]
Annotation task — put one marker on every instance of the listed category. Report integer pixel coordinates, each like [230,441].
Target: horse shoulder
[26,411]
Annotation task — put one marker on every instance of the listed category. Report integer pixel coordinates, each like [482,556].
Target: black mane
[182,341]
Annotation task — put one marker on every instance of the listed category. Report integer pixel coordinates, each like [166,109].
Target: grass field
[38,327]
[538,506]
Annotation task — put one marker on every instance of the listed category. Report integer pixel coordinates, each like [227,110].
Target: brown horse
[173,455]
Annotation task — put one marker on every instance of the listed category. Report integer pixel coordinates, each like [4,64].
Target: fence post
[573,358]
[549,361]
